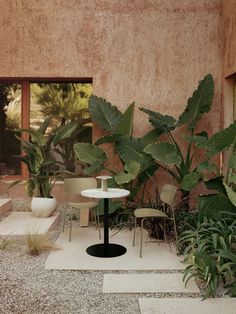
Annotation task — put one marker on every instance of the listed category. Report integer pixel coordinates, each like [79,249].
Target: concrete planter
[43,207]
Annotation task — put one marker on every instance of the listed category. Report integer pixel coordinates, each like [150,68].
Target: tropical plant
[65,102]
[185,168]
[133,166]
[224,196]
[38,156]
[210,252]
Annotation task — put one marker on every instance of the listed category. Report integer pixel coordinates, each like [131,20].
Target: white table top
[110,193]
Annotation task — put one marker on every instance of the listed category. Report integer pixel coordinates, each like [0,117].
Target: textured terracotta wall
[153,52]
[230,37]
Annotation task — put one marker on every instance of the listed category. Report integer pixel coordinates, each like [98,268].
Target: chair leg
[71,216]
[141,235]
[164,230]
[135,225]
[64,219]
[98,224]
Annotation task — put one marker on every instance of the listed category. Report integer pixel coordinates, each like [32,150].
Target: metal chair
[74,186]
[167,196]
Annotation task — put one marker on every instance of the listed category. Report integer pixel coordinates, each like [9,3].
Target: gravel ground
[27,287]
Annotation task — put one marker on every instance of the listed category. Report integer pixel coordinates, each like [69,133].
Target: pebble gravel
[27,287]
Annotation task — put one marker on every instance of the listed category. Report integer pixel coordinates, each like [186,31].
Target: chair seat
[82,204]
[149,212]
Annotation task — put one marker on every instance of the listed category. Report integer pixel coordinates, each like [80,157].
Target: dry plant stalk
[38,243]
[5,242]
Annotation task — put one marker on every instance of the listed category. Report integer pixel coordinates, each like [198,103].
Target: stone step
[5,206]
[187,305]
[147,283]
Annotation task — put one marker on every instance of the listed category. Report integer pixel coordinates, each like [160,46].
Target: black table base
[112,250]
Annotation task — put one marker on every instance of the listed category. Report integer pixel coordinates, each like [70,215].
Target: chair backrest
[167,194]
[76,185]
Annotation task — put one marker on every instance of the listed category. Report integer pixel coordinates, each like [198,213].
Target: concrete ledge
[22,223]
[187,305]
[5,206]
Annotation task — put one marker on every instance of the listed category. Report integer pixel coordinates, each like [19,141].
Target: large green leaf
[222,140]
[132,149]
[131,170]
[198,140]
[216,184]
[213,204]
[163,123]
[43,127]
[104,114]
[164,153]
[190,180]
[64,132]
[126,124]
[231,194]
[108,139]
[89,153]
[199,103]
[93,168]
[151,137]
[147,173]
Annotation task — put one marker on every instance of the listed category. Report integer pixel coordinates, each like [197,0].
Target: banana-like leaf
[45,125]
[104,114]
[199,103]
[126,125]
[131,170]
[151,137]
[190,180]
[231,194]
[164,153]
[222,140]
[132,149]
[89,153]
[163,123]
[64,132]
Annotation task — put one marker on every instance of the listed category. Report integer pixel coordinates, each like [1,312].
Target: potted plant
[42,165]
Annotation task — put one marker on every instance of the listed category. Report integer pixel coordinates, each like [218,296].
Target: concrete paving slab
[21,223]
[147,283]
[5,206]
[72,255]
[187,305]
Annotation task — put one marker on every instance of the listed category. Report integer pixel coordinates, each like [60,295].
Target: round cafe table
[106,249]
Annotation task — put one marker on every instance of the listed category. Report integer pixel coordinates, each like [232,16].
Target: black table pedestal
[106,249]
[112,250]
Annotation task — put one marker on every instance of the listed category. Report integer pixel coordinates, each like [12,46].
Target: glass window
[10,120]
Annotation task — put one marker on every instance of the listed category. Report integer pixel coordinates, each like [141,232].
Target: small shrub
[38,243]
[209,251]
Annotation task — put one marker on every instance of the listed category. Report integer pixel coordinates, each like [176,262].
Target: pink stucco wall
[152,52]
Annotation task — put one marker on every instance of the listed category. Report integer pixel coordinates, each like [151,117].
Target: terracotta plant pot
[43,207]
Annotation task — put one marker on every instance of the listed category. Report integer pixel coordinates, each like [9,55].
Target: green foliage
[170,152]
[199,103]
[104,114]
[65,102]
[133,166]
[38,157]
[210,253]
